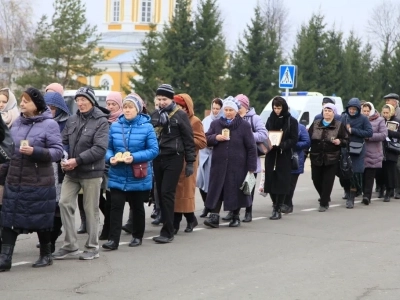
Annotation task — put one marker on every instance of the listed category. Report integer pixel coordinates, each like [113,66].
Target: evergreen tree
[357,66]
[310,55]
[256,62]
[207,68]
[150,67]
[64,47]
[178,40]
[395,71]
[331,74]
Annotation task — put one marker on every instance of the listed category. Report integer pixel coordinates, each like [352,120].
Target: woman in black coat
[390,157]
[278,165]
[233,156]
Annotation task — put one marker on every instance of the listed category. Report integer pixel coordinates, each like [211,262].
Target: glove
[189,169]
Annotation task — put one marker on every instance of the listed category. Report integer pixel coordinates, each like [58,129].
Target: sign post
[287,78]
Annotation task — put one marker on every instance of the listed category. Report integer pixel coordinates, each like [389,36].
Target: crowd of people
[98,158]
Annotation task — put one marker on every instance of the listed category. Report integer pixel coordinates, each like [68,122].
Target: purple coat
[374,152]
[29,200]
[259,132]
[231,160]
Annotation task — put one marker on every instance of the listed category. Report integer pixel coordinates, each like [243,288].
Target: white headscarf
[10,113]
[372,112]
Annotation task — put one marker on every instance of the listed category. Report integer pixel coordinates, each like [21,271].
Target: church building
[126,23]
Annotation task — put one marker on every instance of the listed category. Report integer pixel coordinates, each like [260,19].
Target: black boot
[128,227]
[228,217]
[346,195]
[45,258]
[191,225]
[158,219]
[213,221]
[350,199]
[276,213]
[381,192]
[387,195]
[248,217]
[235,221]
[6,257]
[205,212]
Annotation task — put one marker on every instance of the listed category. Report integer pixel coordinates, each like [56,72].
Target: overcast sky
[346,14]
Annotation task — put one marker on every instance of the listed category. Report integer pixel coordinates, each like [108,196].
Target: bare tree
[276,18]
[383,25]
[15,34]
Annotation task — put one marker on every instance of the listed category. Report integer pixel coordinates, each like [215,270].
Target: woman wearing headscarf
[260,134]
[358,128]
[374,150]
[302,144]
[205,155]
[234,155]
[328,136]
[186,187]
[278,161]
[60,112]
[390,157]
[29,193]
[8,107]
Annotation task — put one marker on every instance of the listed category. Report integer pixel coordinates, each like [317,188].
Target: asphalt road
[338,254]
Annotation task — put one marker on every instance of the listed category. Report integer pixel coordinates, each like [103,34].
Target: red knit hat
[180,101]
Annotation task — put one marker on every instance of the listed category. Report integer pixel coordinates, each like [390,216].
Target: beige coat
[185,190]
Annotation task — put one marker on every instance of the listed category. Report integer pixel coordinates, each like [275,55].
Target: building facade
[125,26]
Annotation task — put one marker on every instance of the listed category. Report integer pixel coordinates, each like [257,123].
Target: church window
[115,10]
[146,11]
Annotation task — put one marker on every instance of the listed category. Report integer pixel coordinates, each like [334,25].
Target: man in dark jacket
[176,143]
[85,140]
[326,100]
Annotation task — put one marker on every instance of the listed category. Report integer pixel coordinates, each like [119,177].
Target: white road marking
[202,228]
[21,263]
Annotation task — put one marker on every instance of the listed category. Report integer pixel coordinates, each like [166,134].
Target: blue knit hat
[137,102]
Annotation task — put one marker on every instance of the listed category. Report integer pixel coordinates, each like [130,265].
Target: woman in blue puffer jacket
[303,143]
[132,133]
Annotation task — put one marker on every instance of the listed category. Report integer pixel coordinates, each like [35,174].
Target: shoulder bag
[263,147]
[355,148]
[6,146]
[139,170]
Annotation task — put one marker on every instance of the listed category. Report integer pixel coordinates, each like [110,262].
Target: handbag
[6,146]
[139,170]
[345,169]
[262,147]
[393,147]
[248,184]
[355,148]
[295,160]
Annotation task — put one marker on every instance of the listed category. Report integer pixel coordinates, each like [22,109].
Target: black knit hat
[165,90]
[37,98]
[88,93]
[392,96]
[328,100]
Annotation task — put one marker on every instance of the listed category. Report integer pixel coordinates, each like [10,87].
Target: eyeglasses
[81,100]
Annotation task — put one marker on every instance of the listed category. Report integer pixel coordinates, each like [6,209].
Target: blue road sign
[287,74]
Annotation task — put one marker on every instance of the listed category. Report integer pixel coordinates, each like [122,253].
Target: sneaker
[62,253]
[322,208]
[89,255]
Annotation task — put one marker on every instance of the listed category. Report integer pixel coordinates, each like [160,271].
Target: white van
[308,105]
[69,97]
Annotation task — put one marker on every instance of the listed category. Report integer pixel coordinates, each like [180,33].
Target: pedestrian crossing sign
[287,76]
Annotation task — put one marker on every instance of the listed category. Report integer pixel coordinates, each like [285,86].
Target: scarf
[164,112]
[10,113]
[115,115]
[61,119]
